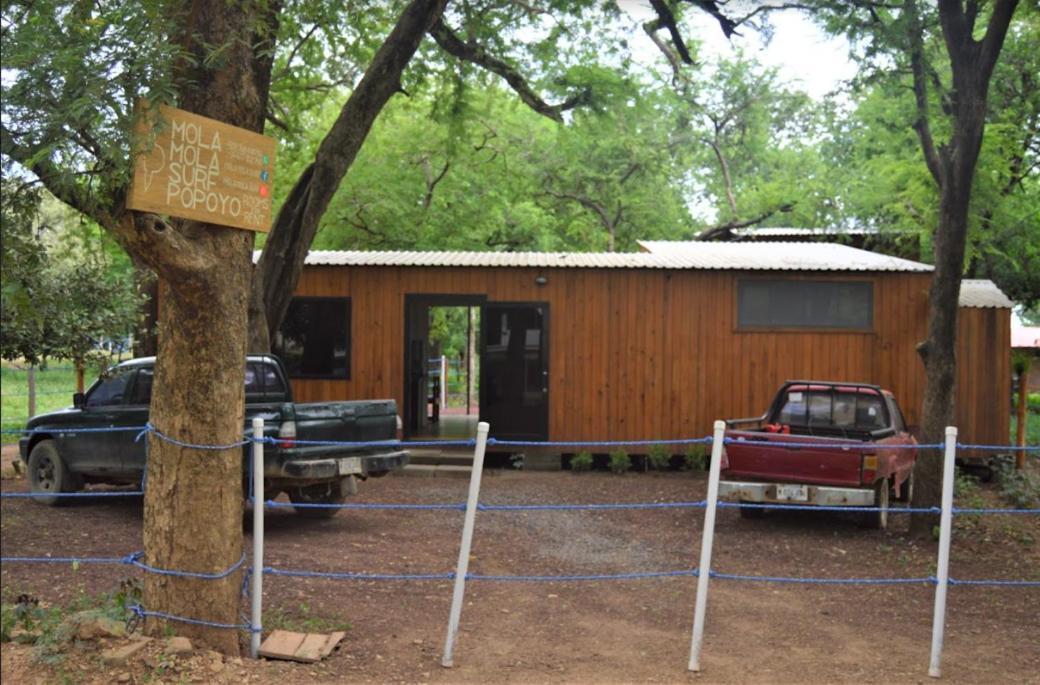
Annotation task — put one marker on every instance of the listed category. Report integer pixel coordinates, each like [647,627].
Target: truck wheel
[878,520]
[323,493]
[48,473]
[751,512]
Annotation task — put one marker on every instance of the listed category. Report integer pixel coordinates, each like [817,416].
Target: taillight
[287,434]
[870,465]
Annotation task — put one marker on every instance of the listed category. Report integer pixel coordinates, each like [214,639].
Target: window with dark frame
[789,303]
[314,338]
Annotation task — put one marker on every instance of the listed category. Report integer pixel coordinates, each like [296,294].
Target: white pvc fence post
[943,570]
[444,382]
[467,540]
[257,589]
[707,538]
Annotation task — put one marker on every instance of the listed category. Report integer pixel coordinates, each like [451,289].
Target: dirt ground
[575,632]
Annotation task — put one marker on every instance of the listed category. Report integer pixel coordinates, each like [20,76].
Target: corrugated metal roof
[780,256]
[662,255]
[983,293]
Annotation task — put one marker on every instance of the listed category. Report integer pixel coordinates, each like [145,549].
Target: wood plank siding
[655,353]
[984,375]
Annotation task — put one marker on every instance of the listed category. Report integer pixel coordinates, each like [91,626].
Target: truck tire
[323,493]
[878,520]
[48,473]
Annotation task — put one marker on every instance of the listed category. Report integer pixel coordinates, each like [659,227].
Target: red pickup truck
[821,443]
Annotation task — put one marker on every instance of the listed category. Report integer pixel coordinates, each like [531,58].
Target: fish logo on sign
[150,171]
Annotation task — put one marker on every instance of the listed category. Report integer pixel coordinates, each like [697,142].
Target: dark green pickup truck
[59,458]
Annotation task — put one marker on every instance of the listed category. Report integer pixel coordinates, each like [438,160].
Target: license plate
[792,493]
[349,466]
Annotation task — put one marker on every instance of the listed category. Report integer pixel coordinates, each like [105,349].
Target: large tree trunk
[281,263]
[193,497]
[939,353]
[952,165]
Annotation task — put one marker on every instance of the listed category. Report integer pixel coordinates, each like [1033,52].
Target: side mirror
[79,400]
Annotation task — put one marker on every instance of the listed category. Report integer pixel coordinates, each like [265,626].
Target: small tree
[56,308]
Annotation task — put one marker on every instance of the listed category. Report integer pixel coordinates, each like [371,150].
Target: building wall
[644,354]
[984,375]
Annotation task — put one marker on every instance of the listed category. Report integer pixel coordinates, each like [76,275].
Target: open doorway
[443,360]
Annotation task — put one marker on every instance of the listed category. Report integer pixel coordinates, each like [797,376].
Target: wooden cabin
[651,345]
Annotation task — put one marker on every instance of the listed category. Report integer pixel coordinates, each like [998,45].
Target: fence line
[257,441]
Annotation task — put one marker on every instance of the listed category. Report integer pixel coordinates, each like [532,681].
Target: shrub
[620,462]
[582,461]
[696,457]
[658,457]
[1018,488]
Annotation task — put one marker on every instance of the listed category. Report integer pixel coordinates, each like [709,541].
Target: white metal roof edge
[983,293]
[747,257]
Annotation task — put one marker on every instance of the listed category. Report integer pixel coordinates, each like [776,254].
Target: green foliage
[879,170]
[582,461]
[696,457]
[72,74]
[659,457]
[1032,402]
[63,291]
[1032,428]
[1018,488]
[620,462]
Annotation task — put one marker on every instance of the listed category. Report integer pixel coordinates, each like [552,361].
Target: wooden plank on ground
[310,650]
[331,642]
[282,644]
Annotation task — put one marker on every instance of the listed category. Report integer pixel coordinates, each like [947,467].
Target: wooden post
[32,390]
[79,376]
[1022,414]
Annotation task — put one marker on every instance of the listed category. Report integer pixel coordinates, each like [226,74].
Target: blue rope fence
[135,559]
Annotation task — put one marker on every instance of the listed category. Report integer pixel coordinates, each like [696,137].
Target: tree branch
[476,54]
[724,232]
[921,124]
[431,180]
[292,53]
[666,19]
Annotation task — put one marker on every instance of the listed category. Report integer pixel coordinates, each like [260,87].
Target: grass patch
[54,388]
[1032,429]
[302,620]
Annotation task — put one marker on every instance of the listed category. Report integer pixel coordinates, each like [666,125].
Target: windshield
[834,409]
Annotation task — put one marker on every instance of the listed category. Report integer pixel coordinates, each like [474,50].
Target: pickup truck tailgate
[347,421]
[794,458]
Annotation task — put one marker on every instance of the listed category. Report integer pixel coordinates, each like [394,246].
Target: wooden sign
[201,169]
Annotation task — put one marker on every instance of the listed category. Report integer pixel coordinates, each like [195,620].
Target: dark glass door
[514,382]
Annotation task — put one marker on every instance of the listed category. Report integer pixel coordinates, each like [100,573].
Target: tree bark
[281,263]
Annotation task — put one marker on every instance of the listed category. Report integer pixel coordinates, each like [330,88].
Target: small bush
[582,461]
[659,458]
[1033,402]
[620,462]
[696,457]
[1018,488]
